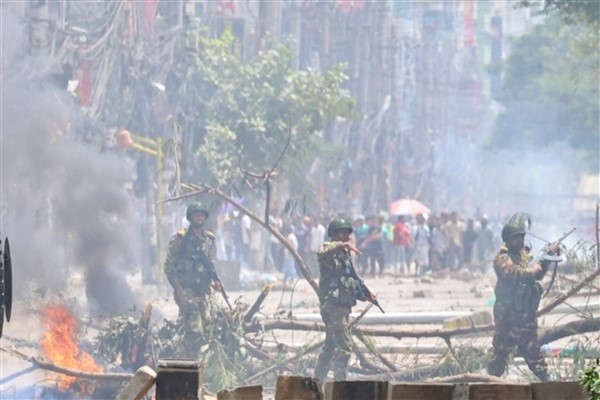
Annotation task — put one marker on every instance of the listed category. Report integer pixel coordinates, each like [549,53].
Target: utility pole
[154,148]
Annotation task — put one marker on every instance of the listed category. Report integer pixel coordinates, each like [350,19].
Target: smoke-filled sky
[63,205]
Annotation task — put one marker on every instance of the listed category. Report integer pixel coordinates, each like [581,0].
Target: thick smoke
[64,208]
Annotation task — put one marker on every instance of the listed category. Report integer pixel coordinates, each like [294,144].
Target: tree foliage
[570,10]
[551,90]
[590,380]
[249,110]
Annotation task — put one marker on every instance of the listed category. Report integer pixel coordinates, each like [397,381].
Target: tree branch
[547,335]
[561,299]
[205,189]
[67,371]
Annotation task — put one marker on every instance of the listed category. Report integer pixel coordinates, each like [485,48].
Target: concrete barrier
[558,391]
[480,391]
[179,379]
[356,390]
[241,393]
[420,391]
[298,388]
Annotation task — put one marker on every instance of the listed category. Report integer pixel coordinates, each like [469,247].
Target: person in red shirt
[402,244]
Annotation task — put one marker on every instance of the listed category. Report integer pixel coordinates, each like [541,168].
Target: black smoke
[63,204]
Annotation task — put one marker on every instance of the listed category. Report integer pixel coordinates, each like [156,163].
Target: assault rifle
[363,291]
[213,273]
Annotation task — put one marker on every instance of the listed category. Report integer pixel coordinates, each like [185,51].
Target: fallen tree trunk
[77,374]
[546,334]
[413,374]
[428,374]
[550,334]
[370,331]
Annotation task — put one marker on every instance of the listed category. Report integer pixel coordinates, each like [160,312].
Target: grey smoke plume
[63,203]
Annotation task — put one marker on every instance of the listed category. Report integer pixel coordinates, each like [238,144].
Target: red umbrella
[408,207]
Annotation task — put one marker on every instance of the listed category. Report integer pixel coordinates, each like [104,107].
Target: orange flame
[61,347]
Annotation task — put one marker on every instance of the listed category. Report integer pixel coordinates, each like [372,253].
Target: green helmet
[516,225]
[196,206]
[338,224]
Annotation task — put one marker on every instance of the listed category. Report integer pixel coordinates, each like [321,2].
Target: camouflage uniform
[191,281]
[338,292]
[517,299]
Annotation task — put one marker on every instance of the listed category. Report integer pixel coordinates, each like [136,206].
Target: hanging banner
[469,20]
[347,6]
[84,89]
[226,8]
[149,10]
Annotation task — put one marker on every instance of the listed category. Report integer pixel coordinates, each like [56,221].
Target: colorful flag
[84,89]
[225,7]
[351,5]
[149,7]
[469,19]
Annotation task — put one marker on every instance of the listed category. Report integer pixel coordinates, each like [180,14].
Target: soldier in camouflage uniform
[192,279]
[518,295]
[338,292]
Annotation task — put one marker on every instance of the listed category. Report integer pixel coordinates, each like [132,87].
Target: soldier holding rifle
[190,270]
[518,294]
[339,290]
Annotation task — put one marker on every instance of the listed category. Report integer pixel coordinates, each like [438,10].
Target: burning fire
[61,347]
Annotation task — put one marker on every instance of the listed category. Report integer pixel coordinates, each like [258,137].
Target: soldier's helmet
[516,225]
[194,207]
[339,224]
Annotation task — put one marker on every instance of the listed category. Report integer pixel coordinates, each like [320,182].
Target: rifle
[213,273]
[363,291]
[544,256]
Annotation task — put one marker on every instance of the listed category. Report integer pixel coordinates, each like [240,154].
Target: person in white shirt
[317,235]
[421,235]
[289,263]
[316,239]
[244,245]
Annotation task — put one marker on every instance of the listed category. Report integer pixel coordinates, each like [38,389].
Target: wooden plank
[139,385]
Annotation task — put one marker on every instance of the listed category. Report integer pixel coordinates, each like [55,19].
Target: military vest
[519,294]
[336,283]
[192,273]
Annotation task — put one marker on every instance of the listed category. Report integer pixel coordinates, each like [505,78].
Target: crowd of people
[404,244]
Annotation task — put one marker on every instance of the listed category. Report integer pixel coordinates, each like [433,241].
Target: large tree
[570,10]
[250,113]
[551,89]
